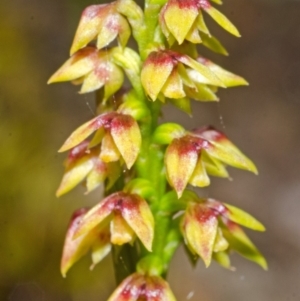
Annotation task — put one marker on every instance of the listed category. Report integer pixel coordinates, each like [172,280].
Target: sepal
[97,241]
[240,242]
[199,228]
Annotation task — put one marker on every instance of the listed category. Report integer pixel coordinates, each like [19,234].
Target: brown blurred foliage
[264,120]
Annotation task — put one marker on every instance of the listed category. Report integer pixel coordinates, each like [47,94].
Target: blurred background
[263,120]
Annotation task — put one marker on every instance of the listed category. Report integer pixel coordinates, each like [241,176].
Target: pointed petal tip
[63,273]
[63,149]
[207,262]
[179,193]
[263,263]
[73,49]
[52,79]
[253,169]
[58,193]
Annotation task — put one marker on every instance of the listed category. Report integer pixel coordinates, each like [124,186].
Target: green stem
[150,164]
[125,258]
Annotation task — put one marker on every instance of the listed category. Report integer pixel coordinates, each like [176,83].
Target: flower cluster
[146,168]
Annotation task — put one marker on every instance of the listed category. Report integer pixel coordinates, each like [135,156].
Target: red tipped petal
[181,159]
[127,137]
[155,72]
[137,214]
[179,16]
[80,64]
[200,226]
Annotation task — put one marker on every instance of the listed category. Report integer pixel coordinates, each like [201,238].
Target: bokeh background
[263,119]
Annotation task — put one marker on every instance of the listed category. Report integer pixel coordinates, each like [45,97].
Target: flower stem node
[127,214]
[139,286]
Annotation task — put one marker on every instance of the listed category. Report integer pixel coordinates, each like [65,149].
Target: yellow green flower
[119,133]
[183,20]
[128,216]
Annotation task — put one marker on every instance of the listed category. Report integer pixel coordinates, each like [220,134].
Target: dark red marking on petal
[77,152]
[79,212]
[122,122]
[188,144]
[113,23]
[103,71]
[204,214]
[103,120]
[160,58]
[184,4]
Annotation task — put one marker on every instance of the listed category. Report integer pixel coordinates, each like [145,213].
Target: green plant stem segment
[150,165]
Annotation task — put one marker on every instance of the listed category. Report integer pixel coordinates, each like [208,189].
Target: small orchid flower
[128,216]
[84,163]
[102,22]
[211,226]
[93,69]
[183,19]
[119,133]
[191,155]
[143,287]
[164,73]
[97,241]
